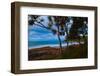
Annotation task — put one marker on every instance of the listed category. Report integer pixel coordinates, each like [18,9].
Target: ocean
[41,37]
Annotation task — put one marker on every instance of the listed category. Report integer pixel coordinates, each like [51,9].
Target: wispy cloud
[37,33]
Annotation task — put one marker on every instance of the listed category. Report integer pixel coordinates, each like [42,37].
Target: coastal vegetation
[68,30]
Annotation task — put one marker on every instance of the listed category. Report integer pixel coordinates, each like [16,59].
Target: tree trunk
[60,43]
[79,39]
[66,30]
[84,38]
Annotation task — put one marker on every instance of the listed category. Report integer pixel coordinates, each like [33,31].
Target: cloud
[36,33]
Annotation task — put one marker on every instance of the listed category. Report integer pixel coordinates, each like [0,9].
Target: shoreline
[47,52]
[54,45]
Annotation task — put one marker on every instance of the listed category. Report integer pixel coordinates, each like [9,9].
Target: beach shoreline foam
[55,45]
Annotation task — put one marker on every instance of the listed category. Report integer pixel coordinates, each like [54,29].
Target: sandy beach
[46,53]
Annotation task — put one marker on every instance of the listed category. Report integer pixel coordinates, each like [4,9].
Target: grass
[77,51]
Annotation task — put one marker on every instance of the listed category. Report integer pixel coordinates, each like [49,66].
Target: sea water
[41,37]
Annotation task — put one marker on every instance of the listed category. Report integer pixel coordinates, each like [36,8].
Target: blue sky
[38,36]
[36,33]
[41,36]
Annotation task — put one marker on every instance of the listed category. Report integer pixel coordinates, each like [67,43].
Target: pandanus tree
[79,27]
[68,23]
[83,30]
[59,22]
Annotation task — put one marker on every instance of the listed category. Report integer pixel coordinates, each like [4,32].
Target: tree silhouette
[59,25]
[58,21]
[79,27]
[61,22]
